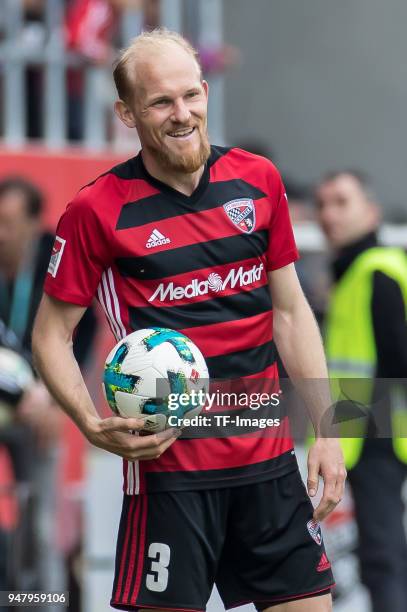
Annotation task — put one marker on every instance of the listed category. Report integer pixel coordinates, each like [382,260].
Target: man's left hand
[325,458]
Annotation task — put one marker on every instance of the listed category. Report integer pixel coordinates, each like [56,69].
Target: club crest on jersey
[242,213]
[314,529]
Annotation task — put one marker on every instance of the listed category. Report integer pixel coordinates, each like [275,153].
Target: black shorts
[257,542]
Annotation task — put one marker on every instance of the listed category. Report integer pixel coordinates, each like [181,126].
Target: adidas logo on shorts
[324,564]
[156,239]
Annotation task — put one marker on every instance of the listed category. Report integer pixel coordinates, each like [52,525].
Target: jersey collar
[170,191]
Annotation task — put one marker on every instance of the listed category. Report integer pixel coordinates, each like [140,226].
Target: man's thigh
[168,549]
[273,553]
[311,604]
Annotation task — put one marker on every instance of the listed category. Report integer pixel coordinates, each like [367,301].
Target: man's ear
[124,113]
[205,86]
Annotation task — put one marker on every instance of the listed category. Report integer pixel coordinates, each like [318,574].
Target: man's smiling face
[170,109]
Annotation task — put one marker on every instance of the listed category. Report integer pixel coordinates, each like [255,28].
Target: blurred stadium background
[312,85]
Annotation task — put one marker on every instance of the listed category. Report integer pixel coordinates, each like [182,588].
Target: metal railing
[16,55]
[48,53]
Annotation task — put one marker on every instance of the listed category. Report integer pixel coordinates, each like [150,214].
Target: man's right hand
[113,435]
[55,362]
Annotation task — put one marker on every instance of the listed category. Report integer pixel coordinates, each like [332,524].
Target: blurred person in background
[214,59]
[90,29]
[366,336]
[94,29]
[311,268]
[25,250]
[16,380]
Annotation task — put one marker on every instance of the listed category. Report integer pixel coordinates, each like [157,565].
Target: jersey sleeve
[79,256]
[282,249]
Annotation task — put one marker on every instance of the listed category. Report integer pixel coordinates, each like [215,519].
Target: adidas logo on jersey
[156,239]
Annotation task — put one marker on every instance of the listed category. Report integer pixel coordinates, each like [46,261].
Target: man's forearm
[54,359]
[300,347]
[56,364]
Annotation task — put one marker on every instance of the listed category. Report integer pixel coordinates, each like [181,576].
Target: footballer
[154,240]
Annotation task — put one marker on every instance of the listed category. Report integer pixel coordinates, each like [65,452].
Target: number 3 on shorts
[160,553]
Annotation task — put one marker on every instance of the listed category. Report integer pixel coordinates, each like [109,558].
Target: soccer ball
[156,373]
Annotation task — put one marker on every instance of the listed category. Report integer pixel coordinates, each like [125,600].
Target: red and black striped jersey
[156,257]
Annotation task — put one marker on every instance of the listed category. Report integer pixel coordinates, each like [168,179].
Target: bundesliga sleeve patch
[56,256]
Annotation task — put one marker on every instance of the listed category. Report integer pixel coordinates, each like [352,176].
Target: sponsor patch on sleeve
[56,256]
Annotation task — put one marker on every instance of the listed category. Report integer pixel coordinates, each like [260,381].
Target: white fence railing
[41,45]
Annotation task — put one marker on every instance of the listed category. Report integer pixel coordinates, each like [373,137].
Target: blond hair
[156,39]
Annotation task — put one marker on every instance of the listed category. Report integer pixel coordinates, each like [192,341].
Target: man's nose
[181,112]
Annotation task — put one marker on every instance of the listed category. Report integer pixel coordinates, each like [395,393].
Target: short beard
[185,164]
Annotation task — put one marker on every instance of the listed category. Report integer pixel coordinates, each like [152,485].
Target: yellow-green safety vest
[350,344]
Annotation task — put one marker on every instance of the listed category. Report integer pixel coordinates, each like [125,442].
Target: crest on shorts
[314,529]
[242,214]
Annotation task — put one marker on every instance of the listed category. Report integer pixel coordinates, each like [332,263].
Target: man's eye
[161,102]
[192,94]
